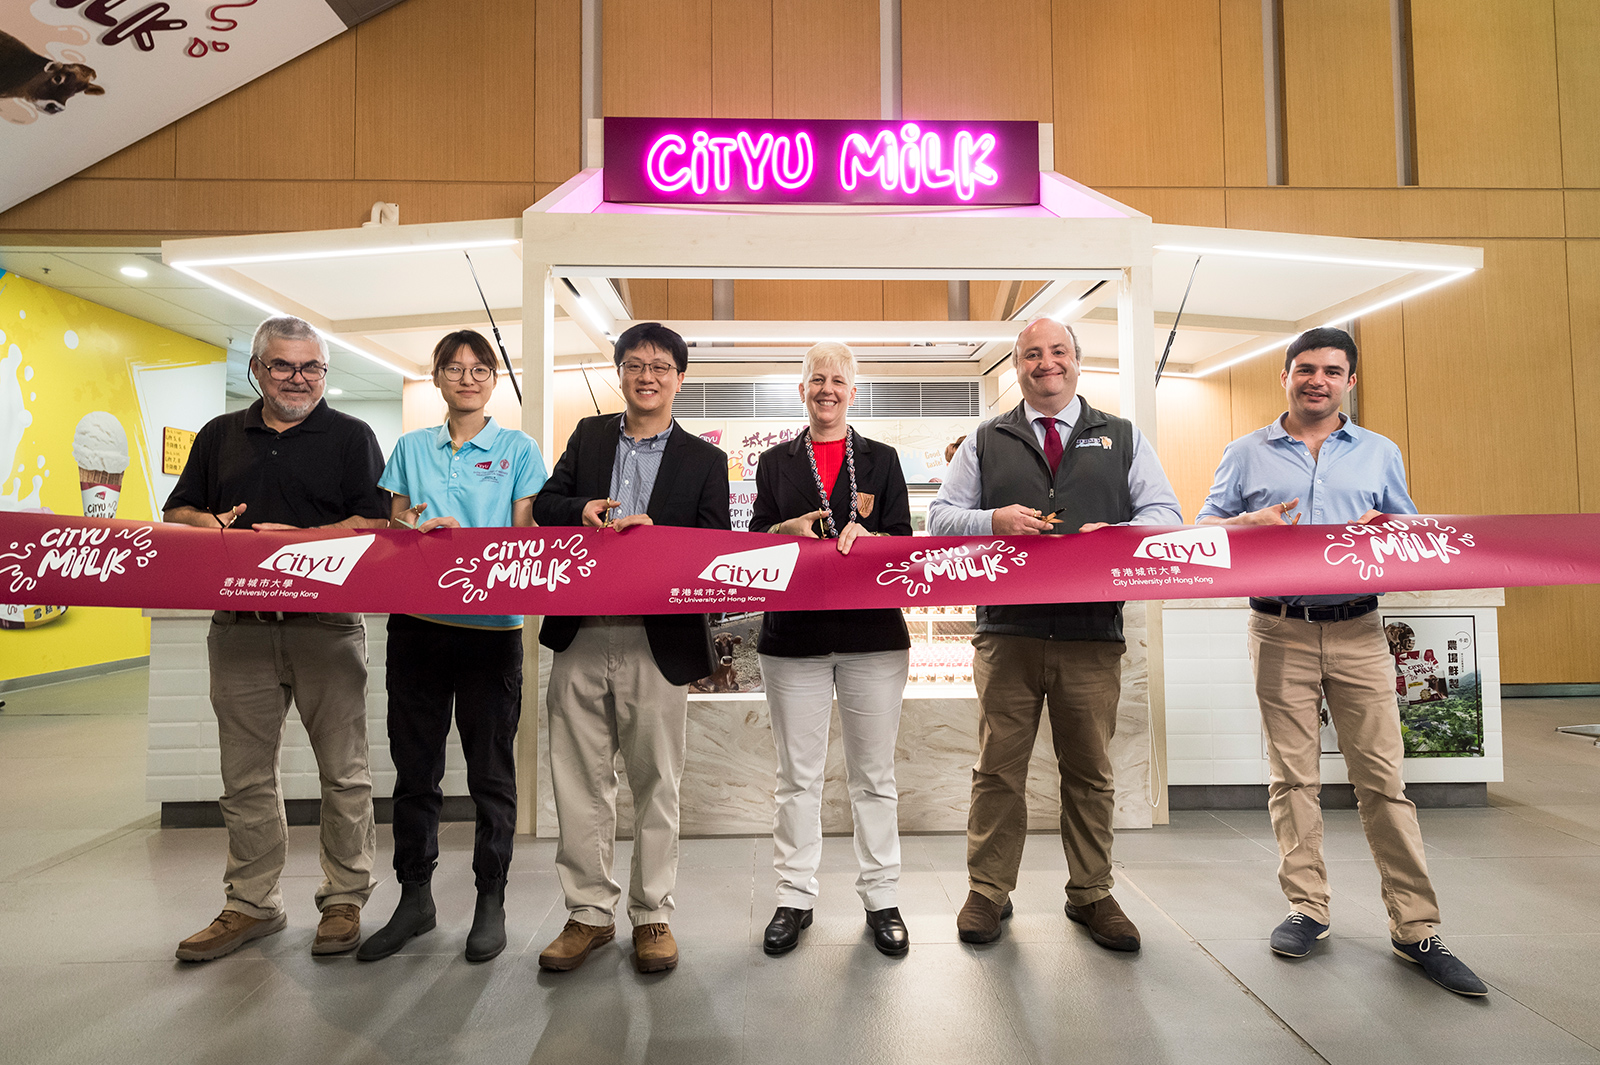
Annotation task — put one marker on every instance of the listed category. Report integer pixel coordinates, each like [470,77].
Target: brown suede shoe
[568,950]
[339,930]
[1107,924]
[979,919]
[230,931]
[654,949]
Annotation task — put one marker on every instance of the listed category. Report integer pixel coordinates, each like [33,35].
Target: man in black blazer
[621,683]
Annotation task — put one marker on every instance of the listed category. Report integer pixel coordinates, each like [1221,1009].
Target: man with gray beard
[288,461]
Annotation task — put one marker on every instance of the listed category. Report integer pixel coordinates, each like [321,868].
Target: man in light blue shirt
[1314,462]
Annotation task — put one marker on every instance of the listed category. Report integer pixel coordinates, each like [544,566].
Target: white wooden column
[538,421]
[1136,378]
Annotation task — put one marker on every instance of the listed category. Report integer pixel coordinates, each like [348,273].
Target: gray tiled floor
[93,897]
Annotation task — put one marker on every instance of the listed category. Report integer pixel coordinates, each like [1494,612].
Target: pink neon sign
[777,161]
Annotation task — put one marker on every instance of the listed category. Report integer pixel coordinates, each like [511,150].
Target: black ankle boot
[488,935]
[414,916]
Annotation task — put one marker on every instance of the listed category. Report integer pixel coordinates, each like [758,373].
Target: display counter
[1214,747]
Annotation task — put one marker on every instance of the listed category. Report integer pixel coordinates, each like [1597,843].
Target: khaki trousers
[606,695]
[1297,663]
[319,662]
[1081,681]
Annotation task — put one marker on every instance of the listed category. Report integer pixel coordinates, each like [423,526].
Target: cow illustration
[34,79]
[725,678]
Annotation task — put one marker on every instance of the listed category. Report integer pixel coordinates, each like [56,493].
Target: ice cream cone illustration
[100,447]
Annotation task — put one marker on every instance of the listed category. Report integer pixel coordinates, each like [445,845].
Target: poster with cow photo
[1437,687]
[82,79]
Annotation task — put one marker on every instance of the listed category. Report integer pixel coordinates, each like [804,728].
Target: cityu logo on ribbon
[99,553]
[764,567]
[657,160]
[1399,540]
[328,561]
[1206,546]
[963,562]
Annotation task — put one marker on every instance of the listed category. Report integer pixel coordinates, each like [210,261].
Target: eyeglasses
[455,372]
[285,371]
[657,369]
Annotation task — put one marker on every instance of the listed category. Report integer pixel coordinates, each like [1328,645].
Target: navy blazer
[690,490]
[786,488]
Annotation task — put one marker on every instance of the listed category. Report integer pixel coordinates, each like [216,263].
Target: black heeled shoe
[889,933]
[783,931]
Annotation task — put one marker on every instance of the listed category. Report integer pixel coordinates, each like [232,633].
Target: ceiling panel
[382,286]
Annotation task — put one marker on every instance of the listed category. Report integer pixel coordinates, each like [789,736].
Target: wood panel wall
[1488,385]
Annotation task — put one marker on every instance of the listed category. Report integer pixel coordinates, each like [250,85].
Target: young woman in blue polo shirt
[468,472]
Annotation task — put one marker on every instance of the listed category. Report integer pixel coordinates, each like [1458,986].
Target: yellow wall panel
[805,301]
[1485,88]
[1381,377]
[152,157]
[1578,74]
[1138,92]
[1193,425]
[741,58]
[1583,285]
[961,60]
[1256,393]
[1492,351]
[825,59]
[1583,212]
[426,108]
[1338,93]
[1184,207]
[657,57]
[918,301]
[1244,93]
[558,90]
[298,121]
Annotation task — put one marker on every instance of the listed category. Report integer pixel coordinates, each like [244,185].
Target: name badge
[1095,441]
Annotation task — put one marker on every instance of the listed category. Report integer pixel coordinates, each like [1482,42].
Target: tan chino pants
[607,695]
[1296,663]
[319,662]
[1081,682]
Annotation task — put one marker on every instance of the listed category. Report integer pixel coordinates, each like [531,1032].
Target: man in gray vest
[1051,464]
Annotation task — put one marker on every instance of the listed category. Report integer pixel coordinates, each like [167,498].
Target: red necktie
[1052,444]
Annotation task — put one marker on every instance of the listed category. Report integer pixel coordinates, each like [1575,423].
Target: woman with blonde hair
[833,483]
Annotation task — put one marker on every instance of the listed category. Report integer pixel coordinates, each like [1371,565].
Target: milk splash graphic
[15,419]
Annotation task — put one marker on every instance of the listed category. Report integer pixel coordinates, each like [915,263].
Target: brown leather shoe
[339,930]
[568,950]
[654,949]
[230,931]
[979,919]
[1107,924]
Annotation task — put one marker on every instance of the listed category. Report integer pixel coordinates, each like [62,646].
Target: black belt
[1336,612]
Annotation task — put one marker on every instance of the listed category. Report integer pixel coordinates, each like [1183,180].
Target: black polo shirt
[319,472]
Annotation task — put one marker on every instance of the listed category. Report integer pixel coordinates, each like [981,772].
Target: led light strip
[347,253]
[1252,253]
[185,268]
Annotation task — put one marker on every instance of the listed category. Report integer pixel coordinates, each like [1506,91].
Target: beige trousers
[1297,663]
[319,662]
[1081,681]
[606,695]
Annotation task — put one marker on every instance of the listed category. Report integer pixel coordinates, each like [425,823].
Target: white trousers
[800,694]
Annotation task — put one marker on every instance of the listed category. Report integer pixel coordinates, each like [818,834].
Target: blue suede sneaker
[1442,967]
[1298,933]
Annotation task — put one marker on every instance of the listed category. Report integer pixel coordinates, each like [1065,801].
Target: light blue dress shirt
[1356,470]
[955,511]
[477,485]
[635,468]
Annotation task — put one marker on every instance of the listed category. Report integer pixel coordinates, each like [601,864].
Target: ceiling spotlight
[134,271]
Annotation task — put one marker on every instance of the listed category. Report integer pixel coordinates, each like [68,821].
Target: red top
[830,456]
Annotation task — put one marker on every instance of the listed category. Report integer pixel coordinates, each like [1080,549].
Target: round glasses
[455,372]
[286,371]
